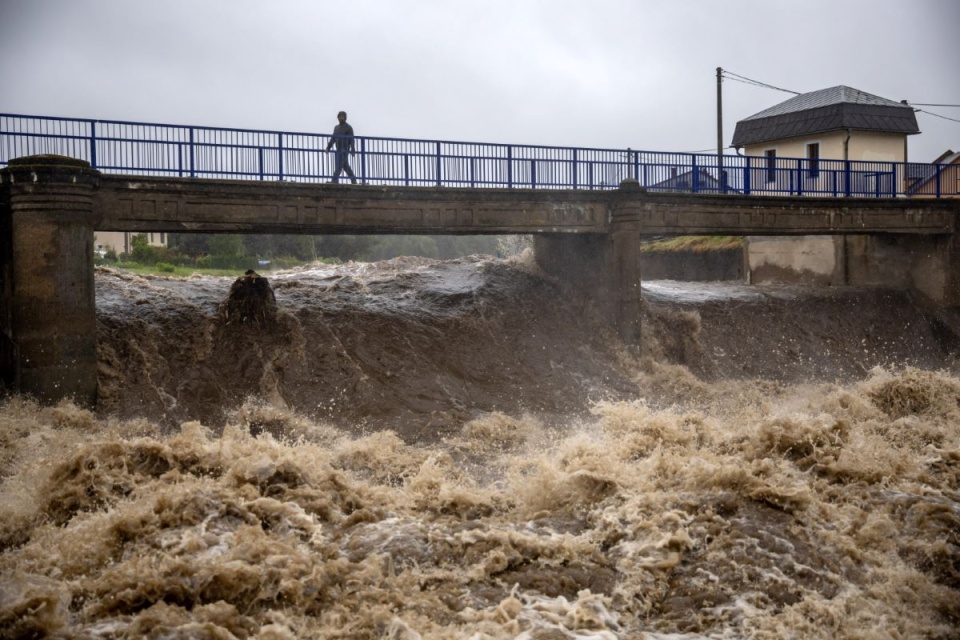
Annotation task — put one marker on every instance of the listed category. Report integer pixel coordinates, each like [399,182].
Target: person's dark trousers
[343,164]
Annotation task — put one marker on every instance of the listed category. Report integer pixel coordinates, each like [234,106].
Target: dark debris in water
[251,301]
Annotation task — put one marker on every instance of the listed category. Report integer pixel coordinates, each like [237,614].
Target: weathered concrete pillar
[48,342]
[625,234]
[935,269]
[605,267]
[951,287]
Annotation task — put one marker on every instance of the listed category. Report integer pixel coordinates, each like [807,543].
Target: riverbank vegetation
[692,243]
[228,254]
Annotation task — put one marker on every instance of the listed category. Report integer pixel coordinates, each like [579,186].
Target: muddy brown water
[462,449]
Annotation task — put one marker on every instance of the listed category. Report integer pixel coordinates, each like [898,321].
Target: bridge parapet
[184,205]
[155,149]
[128,203]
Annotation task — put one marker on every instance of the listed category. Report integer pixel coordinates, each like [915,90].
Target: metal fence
[207,152]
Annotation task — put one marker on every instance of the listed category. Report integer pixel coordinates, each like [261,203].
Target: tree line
[240,251]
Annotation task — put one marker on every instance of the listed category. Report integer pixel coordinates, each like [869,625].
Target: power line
[930,113]
[738,78]
[757,83]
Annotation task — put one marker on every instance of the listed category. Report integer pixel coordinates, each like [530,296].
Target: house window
[771,165]
[813,159]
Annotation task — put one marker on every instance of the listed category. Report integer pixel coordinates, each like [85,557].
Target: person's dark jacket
[342,137]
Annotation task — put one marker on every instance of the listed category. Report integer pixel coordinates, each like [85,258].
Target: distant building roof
[834,109]
[684,181]
[921,170]
[921,176]
[947,157]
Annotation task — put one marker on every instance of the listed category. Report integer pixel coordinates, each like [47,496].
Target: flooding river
[417,449]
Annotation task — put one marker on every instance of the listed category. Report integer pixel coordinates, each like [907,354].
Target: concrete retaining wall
[795,259]
[693,266]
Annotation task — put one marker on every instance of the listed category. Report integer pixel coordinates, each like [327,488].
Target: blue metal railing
[208,152]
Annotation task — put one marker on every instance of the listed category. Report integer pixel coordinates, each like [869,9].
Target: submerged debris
[251,300]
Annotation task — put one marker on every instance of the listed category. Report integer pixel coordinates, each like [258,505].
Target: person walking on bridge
[343,138]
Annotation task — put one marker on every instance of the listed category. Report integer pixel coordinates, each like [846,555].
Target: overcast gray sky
[597,73]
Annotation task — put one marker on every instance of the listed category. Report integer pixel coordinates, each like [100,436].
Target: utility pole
[721,175]
[719,112]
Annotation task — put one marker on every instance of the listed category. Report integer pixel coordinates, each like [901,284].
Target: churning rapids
[417,449]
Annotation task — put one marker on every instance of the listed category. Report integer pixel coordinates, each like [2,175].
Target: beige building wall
[872,146]
[863,145]
[794,259]
[828,180]
[831,146]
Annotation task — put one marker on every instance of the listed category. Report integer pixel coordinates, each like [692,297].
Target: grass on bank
[695,244]
[163,269]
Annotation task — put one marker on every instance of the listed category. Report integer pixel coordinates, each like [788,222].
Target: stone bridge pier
[605,268]
[48,331]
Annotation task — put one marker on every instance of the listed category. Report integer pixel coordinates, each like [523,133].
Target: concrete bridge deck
[133,203]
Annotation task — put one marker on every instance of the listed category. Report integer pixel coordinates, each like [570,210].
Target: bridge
[586,234]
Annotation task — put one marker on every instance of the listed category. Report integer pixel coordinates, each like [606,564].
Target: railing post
[260,162]
[576,170]
[799,177]
[93,144]
[746,178]
[438,164]
[846,178]
[695,174]
[193,168]
[179,159]
[533,173]
[939,173]
[279,156]
[406,169]
[363,161]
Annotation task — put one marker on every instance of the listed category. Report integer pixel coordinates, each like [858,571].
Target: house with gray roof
[835,116]
[818,129]
[839,123]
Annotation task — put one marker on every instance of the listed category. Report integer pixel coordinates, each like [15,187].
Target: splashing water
[419,449]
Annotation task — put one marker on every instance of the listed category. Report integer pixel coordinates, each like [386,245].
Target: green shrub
[241,263]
